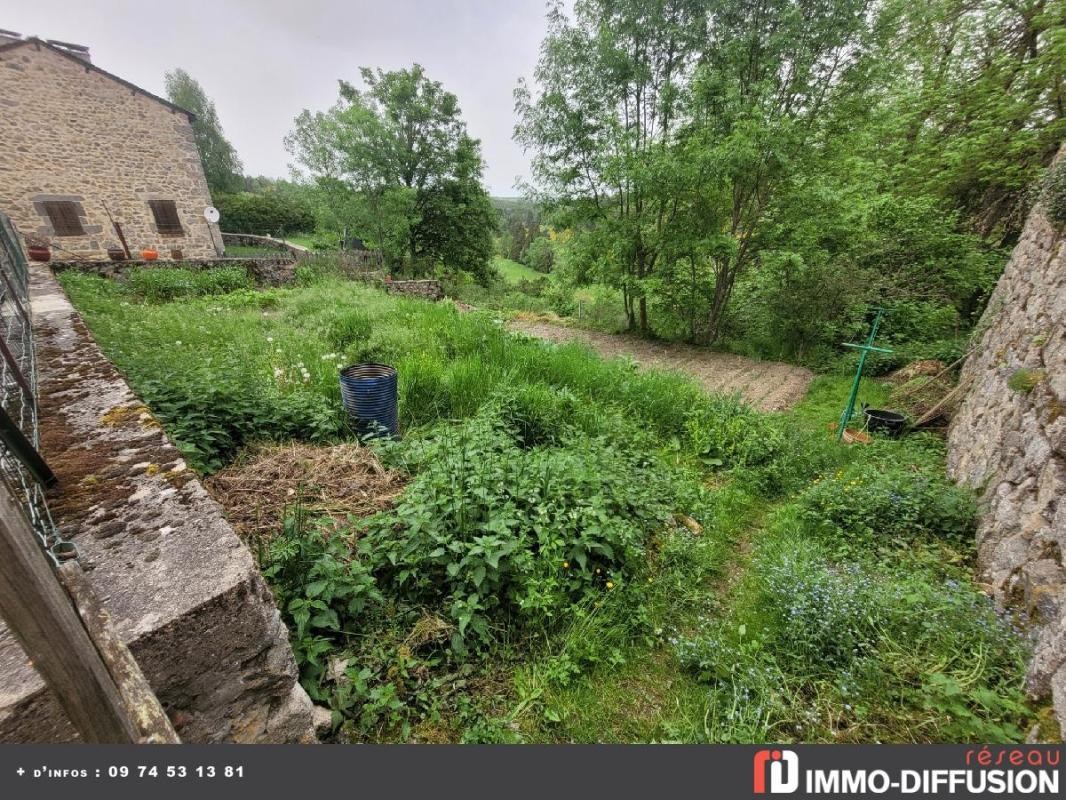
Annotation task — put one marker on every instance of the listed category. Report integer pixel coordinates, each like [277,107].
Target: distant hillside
[512,204]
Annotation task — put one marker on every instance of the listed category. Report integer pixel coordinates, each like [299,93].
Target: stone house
[80,147]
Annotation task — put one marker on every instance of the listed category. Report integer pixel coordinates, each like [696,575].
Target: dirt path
[768,385]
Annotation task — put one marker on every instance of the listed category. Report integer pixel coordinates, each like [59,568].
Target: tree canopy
[222,167]
[716,160]
[394,160]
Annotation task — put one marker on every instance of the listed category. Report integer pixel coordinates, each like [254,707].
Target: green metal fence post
[866,348]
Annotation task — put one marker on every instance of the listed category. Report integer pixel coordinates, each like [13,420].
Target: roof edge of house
[89,66]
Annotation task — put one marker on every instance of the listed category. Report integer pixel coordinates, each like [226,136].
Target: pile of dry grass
[924,390]
[336,481]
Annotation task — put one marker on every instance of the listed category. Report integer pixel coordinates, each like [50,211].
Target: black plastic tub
[880,421]
[368,392]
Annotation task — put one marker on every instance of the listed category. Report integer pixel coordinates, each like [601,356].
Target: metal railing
[22,469]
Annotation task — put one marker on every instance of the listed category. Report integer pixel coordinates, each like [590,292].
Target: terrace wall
[1008,441]
[182,589]
[264,271]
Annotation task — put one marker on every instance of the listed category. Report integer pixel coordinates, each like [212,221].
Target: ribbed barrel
[368,392]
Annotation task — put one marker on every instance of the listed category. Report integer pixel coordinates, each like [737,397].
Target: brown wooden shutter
[63,214]
[166,216]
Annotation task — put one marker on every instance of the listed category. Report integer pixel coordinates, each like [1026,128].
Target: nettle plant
[491,531]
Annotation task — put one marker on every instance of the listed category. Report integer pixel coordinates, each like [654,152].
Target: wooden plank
[22,448]
[41,616]
[142,705]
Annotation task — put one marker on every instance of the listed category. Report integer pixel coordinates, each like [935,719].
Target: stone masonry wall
[68,132]
[183,591]
[1008,441]
[264,271]
[427,290]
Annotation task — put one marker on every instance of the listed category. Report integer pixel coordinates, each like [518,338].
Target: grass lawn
[513,272]
[302,239]
[582,552]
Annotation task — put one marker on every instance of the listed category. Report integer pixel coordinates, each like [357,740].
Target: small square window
[166,216]
[63,214]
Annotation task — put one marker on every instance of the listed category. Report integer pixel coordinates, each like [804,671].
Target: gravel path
[768,385]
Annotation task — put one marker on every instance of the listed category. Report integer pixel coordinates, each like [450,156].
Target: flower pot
[39,252]
[149,254]
[116,253]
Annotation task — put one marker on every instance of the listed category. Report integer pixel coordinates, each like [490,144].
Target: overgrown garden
[582,551]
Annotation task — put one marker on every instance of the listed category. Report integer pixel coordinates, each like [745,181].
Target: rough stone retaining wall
[264,271]
[1008,441]
[183,591]
[428,290]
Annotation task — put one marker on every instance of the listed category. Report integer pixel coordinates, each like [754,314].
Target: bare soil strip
[767,385]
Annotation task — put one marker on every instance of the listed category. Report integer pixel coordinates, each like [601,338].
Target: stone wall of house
[1008,441]
[70,132]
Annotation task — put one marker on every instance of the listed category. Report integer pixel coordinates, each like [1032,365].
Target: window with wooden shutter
[166,216]
[63,214]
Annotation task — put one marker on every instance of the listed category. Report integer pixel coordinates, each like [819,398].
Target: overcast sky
[263,61]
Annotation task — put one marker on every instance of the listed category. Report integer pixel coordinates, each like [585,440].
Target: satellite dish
[211,214]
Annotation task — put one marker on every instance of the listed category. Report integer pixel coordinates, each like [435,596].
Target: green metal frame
[866,348]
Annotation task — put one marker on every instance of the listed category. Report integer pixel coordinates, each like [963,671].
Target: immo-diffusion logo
[1010,771]
[783,769]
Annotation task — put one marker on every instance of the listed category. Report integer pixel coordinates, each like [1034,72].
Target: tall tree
[973,96]
[601,127]
[668,126]
[401,147]
[222,167]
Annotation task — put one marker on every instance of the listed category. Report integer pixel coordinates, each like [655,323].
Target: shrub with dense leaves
[321,586]
[491,530]
[768,452]
[212,412]
[267,214]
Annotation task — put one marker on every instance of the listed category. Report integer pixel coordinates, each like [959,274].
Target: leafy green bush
[267,214]
[211,414]
[162,284]
[771,453]
[491,530]
[321,586]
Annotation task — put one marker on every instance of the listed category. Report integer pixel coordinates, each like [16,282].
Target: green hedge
[263,214]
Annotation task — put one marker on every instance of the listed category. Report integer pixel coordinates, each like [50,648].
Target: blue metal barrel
[368,392]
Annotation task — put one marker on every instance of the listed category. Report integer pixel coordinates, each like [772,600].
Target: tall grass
[290,343]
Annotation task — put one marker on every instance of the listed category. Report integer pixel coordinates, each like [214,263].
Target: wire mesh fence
[22,470]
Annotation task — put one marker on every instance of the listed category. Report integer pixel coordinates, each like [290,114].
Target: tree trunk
[723,288]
